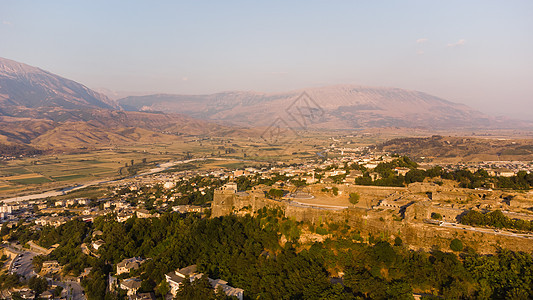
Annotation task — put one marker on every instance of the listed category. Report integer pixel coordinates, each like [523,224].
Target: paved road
[73,288]
[486,230]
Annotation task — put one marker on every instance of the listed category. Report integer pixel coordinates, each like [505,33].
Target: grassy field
[33,180]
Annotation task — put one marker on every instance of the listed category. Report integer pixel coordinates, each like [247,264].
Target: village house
[129,264]
[238,173]
[50,267]
[123,217]
[176,278]
[401,171]
[354,174]
[46,295]
[130,285]
[5,210]
[143,296]
[143,214]
[52,221]
[228,290]
[188,208]
[168,185]
[97,244]
[335,173]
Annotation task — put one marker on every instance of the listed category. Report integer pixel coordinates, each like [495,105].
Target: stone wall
[412,229]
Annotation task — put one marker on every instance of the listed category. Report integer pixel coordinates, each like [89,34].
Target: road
[73,288]
[22,265]
[486,230]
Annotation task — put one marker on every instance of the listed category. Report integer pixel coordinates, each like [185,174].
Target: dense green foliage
[8,281]
[276,193]
[38,284]
[495,219]
[436,216]
[354,198]
[245,251]
[467,179]
[456,245]
[200,288]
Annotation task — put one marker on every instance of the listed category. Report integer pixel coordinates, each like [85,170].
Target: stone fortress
[393,211]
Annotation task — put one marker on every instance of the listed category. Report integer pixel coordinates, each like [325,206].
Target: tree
[275,193]
[200,288]
[456,245]
[398,241]
[399,289]
[38,284]
[354,198]
[436,216]
[162,288]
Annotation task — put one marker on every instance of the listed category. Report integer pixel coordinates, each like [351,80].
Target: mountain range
[44,110]
[331,107]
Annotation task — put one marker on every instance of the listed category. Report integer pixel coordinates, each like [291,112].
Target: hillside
[333,107]
[43,111]
[451,149]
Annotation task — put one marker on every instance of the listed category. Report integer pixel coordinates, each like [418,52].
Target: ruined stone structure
[378,220]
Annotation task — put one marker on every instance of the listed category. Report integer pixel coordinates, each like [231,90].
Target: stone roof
[187,270]
[131,283]
[130,263]
[172,276]
[228,290]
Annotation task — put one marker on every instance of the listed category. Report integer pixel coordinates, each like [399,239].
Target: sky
[478,53]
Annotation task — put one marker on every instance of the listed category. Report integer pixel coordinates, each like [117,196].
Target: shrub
[436,216]
[354,198]
[456,245]
[398,241]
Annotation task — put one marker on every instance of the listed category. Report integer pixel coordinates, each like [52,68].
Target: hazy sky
[475,52]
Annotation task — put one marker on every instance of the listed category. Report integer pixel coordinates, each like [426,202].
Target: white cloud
[460,42]
[420,52]
[421,41]
[5,22]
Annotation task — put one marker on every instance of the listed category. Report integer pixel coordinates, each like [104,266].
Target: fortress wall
[413,232]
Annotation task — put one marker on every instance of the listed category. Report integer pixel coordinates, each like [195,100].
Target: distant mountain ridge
[331,107]
[45,111]
[24,86]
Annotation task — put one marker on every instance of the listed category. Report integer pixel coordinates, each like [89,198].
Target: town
[385,192]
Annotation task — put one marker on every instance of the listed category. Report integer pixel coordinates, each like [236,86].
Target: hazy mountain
[47,111]
[332,107]
[23,86]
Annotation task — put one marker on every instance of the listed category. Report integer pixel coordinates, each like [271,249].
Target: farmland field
[54,171]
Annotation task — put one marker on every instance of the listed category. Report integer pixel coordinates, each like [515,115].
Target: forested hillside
[246,252]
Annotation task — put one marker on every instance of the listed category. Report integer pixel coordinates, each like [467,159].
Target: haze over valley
[266,150]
